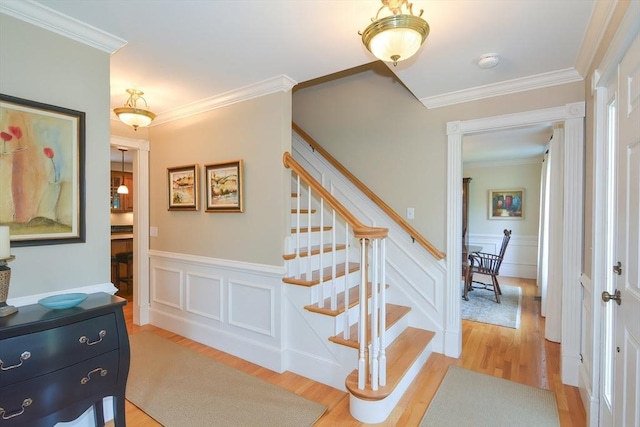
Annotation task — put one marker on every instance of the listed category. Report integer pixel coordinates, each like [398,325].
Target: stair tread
[401,355]
[393,314]
[303,211]
[354,299]
[314,229]
[318,276]
[315,250]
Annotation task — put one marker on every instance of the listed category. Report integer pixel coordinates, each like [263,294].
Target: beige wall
[395,145]
[38,65]
[258,131]
[526,176]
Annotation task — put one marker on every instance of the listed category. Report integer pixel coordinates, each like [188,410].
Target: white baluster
[298,260]
[374,316]
[309,233]
[383,313]
[333,256]
[320,263]
[347,326]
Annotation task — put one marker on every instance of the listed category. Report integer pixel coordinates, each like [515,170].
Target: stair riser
[312,238]
[316,261]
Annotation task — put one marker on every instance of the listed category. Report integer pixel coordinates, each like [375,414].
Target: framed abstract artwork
[42,172]
[506,204]
[183,188]
[224,184]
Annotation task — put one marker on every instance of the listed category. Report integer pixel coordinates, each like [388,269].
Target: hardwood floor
[521,355]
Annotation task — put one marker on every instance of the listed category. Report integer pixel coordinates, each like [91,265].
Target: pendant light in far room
[123,188]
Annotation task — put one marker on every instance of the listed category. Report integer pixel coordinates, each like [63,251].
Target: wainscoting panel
[229,305]
[167,287]
[521,258]
[251,307]
[204,295]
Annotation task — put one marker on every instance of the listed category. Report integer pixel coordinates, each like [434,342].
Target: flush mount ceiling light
[123,188]
[131,114]
[488,60]
[398,36]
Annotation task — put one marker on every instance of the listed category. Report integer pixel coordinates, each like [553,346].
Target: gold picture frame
[183,188]
[506,204]
[224,187]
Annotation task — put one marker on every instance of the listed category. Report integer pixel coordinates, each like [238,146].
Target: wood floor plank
[521,355]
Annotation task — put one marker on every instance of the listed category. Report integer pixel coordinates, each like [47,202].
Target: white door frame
[572,116]
[140,226]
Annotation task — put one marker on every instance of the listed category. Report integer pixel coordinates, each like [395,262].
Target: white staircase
[329,255]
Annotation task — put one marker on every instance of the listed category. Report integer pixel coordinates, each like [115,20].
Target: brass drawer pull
[24,356]
[103,372]
[85,340]
[25,403]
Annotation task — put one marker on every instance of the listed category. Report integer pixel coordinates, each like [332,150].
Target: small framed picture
[506,204]
[183,188]
[224,187]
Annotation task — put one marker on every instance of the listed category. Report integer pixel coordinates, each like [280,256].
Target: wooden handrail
[359,229]
[415,235]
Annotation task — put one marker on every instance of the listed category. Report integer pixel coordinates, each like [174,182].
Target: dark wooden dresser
[55,364]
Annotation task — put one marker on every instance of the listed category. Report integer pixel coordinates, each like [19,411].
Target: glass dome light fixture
[123,188]
[133,115]
[398,36]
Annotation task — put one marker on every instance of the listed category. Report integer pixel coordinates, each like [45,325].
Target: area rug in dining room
[467,398]
[179,387]
[482,306]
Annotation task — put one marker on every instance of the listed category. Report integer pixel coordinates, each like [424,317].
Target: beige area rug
[482,306]
[467,398]
[179,387]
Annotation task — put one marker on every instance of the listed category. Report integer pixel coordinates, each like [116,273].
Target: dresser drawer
[36,398]
[38,353]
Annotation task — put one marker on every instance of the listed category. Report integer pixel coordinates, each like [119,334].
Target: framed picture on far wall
[183,188]
[506,204]
[224,183]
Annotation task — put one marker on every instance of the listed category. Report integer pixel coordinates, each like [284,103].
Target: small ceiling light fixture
[488,60]
[123,188]
[131,114]
[398,36]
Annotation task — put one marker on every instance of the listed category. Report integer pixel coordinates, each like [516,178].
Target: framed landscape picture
[42,166]
[183,188]
[506,204]
[224,187]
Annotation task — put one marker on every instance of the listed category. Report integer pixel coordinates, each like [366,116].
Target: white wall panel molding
[166,286]
[204,295]
[229,305]
[251,307]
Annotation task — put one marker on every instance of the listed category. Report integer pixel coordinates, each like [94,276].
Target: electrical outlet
[410,213]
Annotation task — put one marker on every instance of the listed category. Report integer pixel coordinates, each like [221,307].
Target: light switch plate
[410,213]
[153,231]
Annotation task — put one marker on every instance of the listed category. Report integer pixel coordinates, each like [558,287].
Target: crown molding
[281,83]
[538,81]
[52,20]
[601,16]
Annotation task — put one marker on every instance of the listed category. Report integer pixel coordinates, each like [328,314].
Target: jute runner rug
[482,306]
[467,398]
[179,387]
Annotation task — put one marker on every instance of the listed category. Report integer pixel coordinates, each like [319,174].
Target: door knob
[606,297]
[618,268]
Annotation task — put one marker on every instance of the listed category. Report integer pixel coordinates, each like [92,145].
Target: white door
[626,246]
